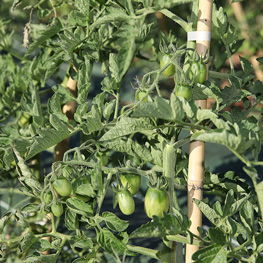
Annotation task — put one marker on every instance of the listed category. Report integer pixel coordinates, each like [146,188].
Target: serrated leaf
[111,243]
[113,15]
[217,236]
[247,216]
[212,254]
[220,21]
[113,222]
[210,213]
[127,126]
[159,227]
[93,121]
[223,137]
[4,220]
[81,110]
[177,107]
[71,220]
[79,206]
[27,241]
[130,147]
[45,35]
[64,94]
[47,137]
[85,189]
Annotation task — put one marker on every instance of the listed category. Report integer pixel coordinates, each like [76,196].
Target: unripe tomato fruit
[62,186]
[75,184]
[57,209]
[133,181]
[126,202]
[139,94]
[103,158]
[198,72]
[184,91]
[170,70]
[48,198]
[156,202]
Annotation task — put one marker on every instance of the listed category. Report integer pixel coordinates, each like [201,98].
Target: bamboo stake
[197,148]
[68,109]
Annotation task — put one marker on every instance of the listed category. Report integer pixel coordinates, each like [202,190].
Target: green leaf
[131,147]
[114,67]
[64,94]
[83,79]
[217,236]
[113,15]
[177,107]
[247,216]
[114,223]
[127,126]
[82,242]
[110,243]
[230,199]
[48,137]
[160,109]
[109,109]
[93,121]
[81,110]
[45,35]
[79,207]
[220,20]
[27,241]
[210,213]
[215,253]
[221,137]
[71,220]
[4,220]
[159,227]
[85,189]
[126,53]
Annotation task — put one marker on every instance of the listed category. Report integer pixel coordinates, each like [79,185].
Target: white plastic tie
[199,35]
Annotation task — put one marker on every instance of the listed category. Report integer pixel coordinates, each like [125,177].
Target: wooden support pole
[68,109]
[197,148]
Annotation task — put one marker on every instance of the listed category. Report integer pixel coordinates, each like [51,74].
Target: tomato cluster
[156,200]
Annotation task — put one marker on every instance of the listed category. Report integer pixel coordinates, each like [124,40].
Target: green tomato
[156,202]
[184,91]
[198,72]
[48,198]
[126,202]
[75,184]
[139,94]
[62,186]
[133,181]
[103,158]
[170,70]
[57,209]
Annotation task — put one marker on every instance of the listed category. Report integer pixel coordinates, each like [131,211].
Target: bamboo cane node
[195,187]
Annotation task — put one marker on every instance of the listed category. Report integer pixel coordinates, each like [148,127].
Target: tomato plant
[62,186]
[156,202]
[132,181]
[170,70]
[75,143]
[126,202]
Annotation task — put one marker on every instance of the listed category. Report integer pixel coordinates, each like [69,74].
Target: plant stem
[104,192]
[142,250]
[117,102]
